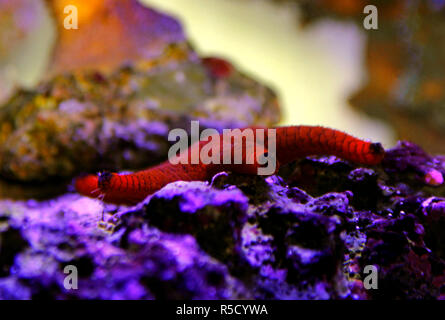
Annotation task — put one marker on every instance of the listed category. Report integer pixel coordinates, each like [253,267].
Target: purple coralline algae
[309,232]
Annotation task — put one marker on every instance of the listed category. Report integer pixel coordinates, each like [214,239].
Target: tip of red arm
[377,153]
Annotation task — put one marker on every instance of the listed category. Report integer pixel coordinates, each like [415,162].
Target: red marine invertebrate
[291,143]
[217,67]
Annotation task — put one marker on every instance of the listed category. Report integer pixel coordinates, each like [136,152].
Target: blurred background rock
[315,54]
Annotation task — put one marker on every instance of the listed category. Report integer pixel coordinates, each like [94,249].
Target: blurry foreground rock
[115,91]
[308,233]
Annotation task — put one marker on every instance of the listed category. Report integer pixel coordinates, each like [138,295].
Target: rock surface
[307,233]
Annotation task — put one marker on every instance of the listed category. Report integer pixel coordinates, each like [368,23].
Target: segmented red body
[291,143]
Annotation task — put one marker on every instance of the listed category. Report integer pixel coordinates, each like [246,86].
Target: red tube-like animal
[291,143]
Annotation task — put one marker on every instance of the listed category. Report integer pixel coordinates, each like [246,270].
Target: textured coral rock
[307,233]
[405,88]
[136,263]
